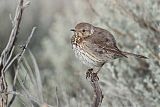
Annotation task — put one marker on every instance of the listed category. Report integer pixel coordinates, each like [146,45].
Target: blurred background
[52,75]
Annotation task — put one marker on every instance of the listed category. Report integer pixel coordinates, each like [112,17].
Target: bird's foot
[89,73]
[94,77]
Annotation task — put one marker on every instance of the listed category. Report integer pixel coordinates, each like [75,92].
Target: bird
[95,46]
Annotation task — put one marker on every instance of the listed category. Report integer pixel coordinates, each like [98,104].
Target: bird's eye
[83,30]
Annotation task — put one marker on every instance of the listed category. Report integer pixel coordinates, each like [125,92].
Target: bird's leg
[92,73]
[89,72]
[94,76]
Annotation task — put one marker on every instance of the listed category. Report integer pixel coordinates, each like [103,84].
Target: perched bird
[95,46]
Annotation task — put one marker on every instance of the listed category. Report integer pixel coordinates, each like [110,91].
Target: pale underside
[86,58]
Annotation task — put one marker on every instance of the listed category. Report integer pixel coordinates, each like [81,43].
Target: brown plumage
[95,46]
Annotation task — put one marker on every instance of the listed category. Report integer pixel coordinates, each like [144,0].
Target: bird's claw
[89,73]
[92,75]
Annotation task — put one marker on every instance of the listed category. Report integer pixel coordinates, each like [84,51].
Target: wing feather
[102,45]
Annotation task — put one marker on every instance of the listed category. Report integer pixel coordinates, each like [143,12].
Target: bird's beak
[73,30]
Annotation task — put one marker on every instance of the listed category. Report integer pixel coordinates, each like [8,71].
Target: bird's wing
[103,45]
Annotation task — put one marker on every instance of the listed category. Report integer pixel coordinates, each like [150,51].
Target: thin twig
[37,78]
[8,60]
[27,97]
[11,62]
[14,32]
[57,99]
[7,53]
[19,60]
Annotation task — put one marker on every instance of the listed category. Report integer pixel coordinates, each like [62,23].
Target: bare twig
[8,60]
[14,32]
[7,53]
[19,60]
[57,99]
[37,78]
[28,97]
[27,3]
[5,58]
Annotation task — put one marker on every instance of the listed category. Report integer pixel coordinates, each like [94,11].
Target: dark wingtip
[138,56]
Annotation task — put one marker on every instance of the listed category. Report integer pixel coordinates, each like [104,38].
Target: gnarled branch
[6,59]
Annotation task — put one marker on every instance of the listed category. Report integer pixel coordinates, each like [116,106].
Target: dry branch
[98,96]
[6,55]
[19,58]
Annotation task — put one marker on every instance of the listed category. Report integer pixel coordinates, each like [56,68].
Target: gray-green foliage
[125,82]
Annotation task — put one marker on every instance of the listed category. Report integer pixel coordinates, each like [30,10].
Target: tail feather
[136,55]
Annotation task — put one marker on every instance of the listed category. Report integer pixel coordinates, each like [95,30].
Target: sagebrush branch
[6,59]
[98,96]
[19,58]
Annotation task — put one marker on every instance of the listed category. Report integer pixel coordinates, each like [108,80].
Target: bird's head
[83,29]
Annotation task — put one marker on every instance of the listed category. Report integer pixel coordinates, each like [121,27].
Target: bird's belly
[85,58]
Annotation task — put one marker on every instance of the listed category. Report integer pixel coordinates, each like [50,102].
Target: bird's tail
[136,55]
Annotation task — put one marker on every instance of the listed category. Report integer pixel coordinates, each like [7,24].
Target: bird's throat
[78,39]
